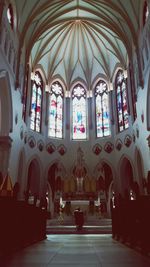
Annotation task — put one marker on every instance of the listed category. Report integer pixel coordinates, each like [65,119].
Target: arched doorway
[104,176]
[6,121]
[140,170]
[20,174]
[33,182]
[126,177]
[55,177]
[108,178]
[52,180]
[148,104]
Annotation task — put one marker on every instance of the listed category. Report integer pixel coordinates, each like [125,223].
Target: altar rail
[131,222]
[21,224]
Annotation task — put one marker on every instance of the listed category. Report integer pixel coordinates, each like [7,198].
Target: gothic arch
[117,67]
[54,170]
[58,78]
[6,118]
[39,68]
[98,168]
[76,82]
[34,177]
[49,196]
[97,79]
[126,174]
[59,164]
[21,171]
[104,173]
[148,104]
[13,4]
[139,168]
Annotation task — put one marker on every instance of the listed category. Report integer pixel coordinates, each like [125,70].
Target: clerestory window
[79,113]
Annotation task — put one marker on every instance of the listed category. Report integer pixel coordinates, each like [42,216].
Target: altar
[83,205]
[88,207]
[79,190]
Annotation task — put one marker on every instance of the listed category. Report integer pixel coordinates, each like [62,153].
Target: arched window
[102,109]
[145,13]
[148,105]
[121,98]
[10,16]
[36,102]
[24,95]
[55,128]
[79,113]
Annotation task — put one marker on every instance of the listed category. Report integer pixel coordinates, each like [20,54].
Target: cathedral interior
[74,115]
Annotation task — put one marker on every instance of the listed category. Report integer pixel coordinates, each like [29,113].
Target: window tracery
[102,109]
[121,99]
[10,16]
[79,112]
[55,128]
[36,102]
[145,13]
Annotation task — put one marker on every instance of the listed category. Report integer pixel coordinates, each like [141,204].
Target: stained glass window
[10,16]
[121,96]
[36,102]
[79,113]
[55,128]
[145,13]
[24,96]
[102,109]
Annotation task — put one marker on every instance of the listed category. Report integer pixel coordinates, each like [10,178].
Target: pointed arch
[140,168]
[127,174]
[148,104]
[34,171]
[145,13]
[10,15]
[102,109]
[79,112]
[121,100]
[6,118]
[49,198]
[37,88]
[21,171]
[33,182]
[54,170]
[56,110]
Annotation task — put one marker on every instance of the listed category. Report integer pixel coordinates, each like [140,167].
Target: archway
[104,174]
[148,104]
[53,186]
[20,174]
[140,170]
[126,176]
[33,181]
[6,118]
[49,198]
[108,178]
[55,177]
[6,121]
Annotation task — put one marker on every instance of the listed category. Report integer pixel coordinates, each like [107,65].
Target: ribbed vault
[79,38]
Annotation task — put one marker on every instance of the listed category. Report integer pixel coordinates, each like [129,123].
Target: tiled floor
[77,250]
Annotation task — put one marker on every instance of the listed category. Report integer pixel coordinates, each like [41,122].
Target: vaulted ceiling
[79,38]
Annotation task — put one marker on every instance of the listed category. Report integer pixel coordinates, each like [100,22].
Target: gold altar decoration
[6,189]
[79,170]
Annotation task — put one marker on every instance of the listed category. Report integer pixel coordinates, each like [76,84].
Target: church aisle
[77,250]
